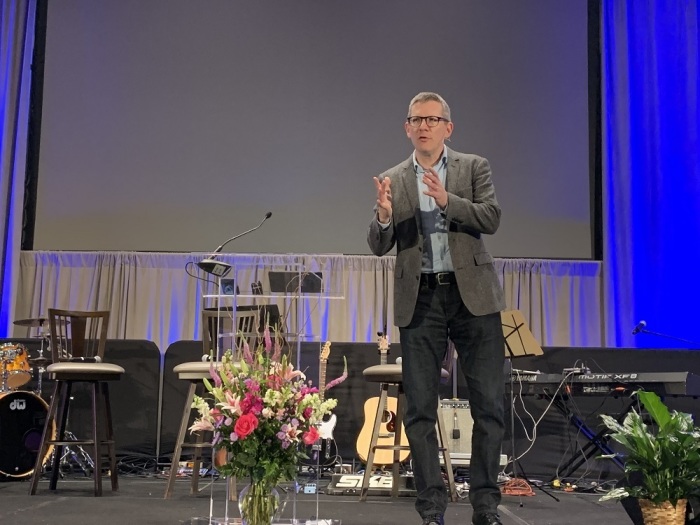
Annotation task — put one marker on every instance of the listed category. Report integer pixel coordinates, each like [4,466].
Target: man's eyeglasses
[415,122]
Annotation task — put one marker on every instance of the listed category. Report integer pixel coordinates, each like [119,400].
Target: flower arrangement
[262,413]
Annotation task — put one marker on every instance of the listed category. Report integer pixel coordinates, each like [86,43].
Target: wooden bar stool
[388,375]
[194,372]
[77,349]
[216,325]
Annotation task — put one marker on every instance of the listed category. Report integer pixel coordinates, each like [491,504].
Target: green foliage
[666,453]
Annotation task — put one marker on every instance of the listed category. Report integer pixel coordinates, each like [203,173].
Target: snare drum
[22,419]
[15,362]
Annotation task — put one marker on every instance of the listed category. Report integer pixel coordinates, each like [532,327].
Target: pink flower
[252,385]
[245,425]
[251,404]
[340,379]
[214,375]
[311,436]
[233,403]
[247,355]
[268,340]
[216,414]
[278,351]
[306,390]
[202,424]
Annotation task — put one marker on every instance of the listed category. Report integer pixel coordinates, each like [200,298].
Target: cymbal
[31,322]
[40,361]
[37,322]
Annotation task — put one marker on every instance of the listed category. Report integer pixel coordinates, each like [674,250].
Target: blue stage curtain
[651,171]
[16,46]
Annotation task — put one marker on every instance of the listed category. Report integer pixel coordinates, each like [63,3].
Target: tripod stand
[519,343]
[73,455]
[77,455]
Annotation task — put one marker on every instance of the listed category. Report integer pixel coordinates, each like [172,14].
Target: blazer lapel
[452,176]
[408,180]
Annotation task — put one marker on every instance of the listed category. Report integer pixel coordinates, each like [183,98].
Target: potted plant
[666,456]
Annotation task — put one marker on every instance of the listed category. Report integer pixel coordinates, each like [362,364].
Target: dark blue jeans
[481,349]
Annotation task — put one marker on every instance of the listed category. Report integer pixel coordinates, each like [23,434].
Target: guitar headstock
[383,346]
[325,351]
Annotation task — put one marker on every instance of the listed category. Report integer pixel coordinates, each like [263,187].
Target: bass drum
[22,419]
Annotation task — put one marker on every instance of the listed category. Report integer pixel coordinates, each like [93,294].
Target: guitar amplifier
[458,422]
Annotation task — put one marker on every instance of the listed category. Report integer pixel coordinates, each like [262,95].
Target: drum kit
[23,412]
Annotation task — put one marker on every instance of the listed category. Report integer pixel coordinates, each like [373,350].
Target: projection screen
[173,125]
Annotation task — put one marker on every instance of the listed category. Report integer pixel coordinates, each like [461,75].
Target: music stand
[519,343]
[519,339]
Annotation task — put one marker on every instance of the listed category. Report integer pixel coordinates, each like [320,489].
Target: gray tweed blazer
[472,210]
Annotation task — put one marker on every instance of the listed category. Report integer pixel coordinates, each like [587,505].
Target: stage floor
[140,501]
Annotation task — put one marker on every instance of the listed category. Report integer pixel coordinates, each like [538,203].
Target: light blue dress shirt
[436,249]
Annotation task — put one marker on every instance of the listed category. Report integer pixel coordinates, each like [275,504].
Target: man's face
[427,140]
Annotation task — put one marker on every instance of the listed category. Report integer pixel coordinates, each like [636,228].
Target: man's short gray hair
[427,96]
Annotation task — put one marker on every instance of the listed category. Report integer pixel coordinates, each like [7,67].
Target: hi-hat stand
[73,455]
[76,454]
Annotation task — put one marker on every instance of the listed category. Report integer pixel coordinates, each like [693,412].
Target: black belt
[431,280]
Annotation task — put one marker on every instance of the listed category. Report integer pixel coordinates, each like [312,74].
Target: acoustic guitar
[324,453]
[387,426]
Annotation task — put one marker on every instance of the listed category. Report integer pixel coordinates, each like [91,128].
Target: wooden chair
[220,324]
[77,350]
[214,324]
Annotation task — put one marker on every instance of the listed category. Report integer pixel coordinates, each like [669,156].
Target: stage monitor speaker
[458,421]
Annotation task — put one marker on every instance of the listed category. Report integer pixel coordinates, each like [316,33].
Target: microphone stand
[218,268]
[667,336]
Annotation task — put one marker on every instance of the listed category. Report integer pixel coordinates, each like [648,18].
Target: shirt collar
[419,169]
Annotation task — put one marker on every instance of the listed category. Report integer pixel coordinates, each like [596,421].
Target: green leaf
[655,407]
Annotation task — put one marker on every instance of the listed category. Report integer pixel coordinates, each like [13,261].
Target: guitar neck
[322,379]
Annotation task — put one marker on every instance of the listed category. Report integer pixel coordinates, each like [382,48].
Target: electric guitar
[324,452]
[387,426]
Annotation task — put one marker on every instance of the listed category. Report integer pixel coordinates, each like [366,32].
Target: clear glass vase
[258,503]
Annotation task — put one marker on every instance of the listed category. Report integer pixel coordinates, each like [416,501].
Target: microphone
[641,325]
[219,268]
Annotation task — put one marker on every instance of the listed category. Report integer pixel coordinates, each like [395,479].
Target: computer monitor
[288,282]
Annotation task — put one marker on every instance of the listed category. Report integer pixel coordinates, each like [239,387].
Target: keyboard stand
[597,441]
